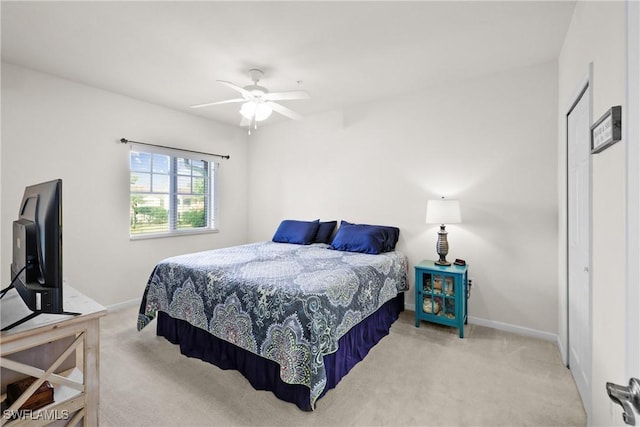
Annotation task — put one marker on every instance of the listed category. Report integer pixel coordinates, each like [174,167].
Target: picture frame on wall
[607,130]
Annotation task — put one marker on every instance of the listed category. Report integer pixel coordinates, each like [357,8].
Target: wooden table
[61,349]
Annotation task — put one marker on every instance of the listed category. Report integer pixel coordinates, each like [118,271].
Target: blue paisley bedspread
[287,303]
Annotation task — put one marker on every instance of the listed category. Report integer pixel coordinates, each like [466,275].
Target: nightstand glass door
[439,293]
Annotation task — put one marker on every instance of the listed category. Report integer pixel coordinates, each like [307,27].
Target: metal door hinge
[627,397]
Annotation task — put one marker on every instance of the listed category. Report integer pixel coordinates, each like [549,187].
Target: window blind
[171,191]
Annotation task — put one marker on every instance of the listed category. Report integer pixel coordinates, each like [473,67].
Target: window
[172,192]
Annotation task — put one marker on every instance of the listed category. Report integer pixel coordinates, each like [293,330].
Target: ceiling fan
[258,102]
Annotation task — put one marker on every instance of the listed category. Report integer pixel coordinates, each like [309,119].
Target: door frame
[585,84]
[633,189]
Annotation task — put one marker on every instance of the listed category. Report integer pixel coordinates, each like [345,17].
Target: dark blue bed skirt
[264,374]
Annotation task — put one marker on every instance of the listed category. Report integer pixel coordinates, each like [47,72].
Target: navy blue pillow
[298,232]
[391,238]
[359,238]
[390,234]
[325,230]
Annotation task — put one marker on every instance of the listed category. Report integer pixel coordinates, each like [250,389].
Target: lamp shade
[443,212]
[260,110]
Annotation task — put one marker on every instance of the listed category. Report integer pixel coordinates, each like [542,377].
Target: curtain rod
[125,141]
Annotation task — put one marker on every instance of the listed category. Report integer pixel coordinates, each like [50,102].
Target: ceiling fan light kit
[258,101]
[260,110]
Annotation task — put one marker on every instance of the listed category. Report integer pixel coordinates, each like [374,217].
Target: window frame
[210,195]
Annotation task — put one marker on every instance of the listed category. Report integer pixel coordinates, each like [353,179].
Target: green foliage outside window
[168,193]
[192,219]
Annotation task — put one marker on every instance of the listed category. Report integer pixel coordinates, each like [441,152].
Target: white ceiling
[342,53]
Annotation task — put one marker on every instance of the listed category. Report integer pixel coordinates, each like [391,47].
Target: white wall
[491,142]
[598,34]
[54,128]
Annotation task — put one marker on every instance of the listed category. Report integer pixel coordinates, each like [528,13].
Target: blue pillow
[391,238]
[325,230]
[362,238]
[390,234]
[298,232]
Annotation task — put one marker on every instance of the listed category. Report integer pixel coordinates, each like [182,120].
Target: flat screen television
[36,267]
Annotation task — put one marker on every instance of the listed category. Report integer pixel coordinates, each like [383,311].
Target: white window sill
[173,234]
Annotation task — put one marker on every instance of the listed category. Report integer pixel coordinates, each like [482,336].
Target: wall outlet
[471,281]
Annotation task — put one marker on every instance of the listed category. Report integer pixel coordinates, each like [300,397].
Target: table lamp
[443,212]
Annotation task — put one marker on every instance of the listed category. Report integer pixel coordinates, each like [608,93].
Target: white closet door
[579,225]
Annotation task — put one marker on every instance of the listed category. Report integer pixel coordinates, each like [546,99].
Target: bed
[292,318]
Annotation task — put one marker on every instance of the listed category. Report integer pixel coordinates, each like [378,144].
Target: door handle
[627,397]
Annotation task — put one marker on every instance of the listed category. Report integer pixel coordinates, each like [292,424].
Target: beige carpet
[423,376]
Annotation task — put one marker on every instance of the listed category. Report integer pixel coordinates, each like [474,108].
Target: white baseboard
[563,352]
[410,307]
[507,327]
[123,305]
[520,330]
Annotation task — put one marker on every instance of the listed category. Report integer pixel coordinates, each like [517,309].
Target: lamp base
[442,247]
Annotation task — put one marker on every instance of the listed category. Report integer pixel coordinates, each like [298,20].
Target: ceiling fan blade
[281,96]
[237,88]
[285,111]
[228,101]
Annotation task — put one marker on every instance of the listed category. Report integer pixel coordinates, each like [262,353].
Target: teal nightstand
[441,294]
